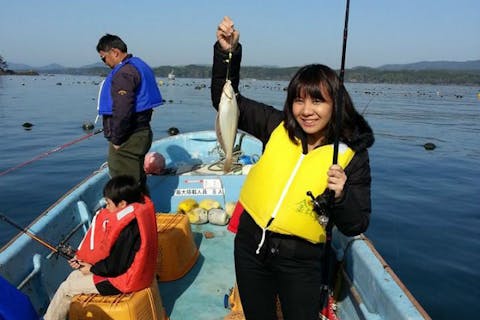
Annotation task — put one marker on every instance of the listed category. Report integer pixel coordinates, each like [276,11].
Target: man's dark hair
[110,41]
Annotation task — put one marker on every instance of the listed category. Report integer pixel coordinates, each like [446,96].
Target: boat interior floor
[211,278]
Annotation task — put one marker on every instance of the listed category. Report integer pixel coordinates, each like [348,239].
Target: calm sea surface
[426,204]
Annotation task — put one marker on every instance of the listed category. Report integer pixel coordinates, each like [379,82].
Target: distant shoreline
[19,73]
[354,75]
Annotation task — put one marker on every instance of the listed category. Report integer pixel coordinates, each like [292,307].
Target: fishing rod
[321,204]
[63,250]
[324,204]
[340,93]
[45,154]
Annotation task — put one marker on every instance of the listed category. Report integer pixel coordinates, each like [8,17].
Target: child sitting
[118,253]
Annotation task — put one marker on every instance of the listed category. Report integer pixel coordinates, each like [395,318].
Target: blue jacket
[15,304]
[148,95]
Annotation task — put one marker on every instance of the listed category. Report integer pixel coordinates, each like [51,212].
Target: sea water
[426,203]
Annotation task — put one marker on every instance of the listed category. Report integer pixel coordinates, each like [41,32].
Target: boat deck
[200,293]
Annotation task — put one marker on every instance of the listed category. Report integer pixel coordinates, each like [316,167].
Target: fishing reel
[66,251]
[321,207]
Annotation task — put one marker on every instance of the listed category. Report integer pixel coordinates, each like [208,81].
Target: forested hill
[360,74]
[435,65]
[447,77]
[456,73]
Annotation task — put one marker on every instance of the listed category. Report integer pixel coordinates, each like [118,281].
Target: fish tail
[227,164]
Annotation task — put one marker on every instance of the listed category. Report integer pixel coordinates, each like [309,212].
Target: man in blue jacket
[127,98]
[14,304]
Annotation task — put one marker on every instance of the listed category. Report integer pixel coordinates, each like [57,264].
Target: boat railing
[364,272]
[36,269]
[85,217]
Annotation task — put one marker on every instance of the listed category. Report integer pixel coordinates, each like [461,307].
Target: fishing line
[60,148]
[230,55]
[45,154]
[366,106]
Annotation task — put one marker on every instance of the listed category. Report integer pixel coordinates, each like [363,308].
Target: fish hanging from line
[226,123]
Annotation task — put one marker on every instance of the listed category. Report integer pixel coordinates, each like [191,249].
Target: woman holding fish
[279,245]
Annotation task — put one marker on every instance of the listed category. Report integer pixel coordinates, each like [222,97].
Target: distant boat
[171,75]
[369,289]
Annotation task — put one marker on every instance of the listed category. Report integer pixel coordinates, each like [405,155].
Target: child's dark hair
[123,188]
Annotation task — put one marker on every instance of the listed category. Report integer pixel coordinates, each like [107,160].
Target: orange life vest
[103,233]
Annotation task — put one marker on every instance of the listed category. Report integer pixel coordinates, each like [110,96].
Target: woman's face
[313,115]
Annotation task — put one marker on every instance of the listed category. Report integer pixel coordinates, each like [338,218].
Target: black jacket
[351,214]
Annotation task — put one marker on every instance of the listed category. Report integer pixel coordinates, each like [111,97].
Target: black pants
[286,266]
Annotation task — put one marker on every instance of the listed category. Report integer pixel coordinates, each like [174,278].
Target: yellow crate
[145,304]
[177,251]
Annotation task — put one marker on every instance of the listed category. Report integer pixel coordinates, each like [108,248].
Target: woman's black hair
[316,80]
[123,188]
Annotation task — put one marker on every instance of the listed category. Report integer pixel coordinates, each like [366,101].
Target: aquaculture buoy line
[43,155]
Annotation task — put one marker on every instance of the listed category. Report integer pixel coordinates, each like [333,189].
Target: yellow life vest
[277,184]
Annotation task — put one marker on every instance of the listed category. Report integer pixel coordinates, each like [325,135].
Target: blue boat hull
[369,289]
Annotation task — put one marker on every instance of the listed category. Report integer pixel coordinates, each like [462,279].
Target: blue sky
[279,33]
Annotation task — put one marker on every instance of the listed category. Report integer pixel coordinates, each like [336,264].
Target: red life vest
[103,233]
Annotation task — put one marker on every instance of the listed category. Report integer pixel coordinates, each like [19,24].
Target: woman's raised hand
[227,36]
